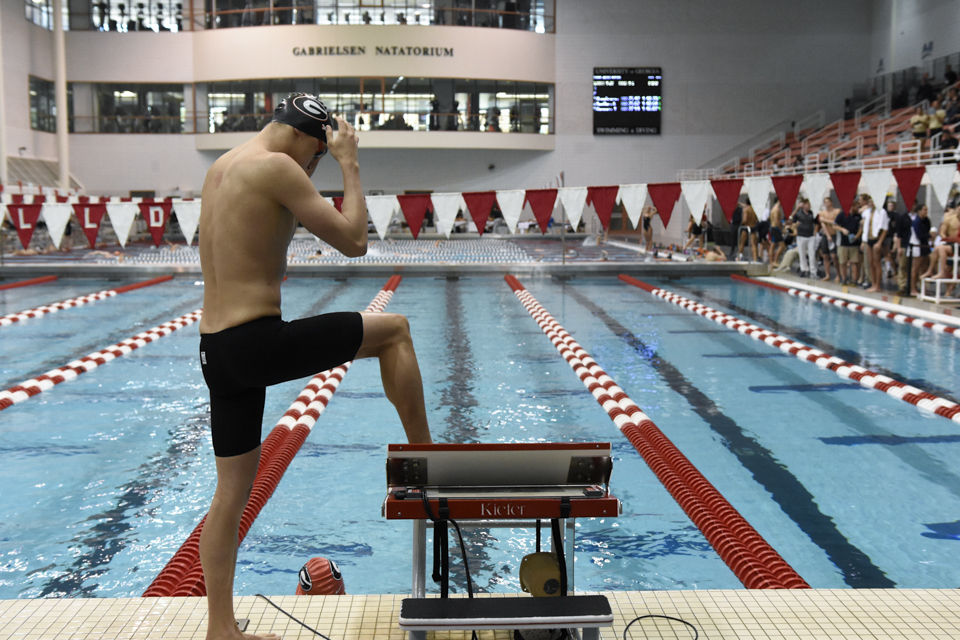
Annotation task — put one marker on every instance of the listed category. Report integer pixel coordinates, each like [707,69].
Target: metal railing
[814,120]
[909,155]
[820,137]
[879,105]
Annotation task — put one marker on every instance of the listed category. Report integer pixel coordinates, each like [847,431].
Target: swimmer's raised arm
[291,186]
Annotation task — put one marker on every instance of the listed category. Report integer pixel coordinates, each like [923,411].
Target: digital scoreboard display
[627,100]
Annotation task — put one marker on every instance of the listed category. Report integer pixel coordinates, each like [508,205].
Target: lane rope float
[751,558]
[29,388]
[893,316]
[27,283]
[919,398]
[183,574]
[19,316]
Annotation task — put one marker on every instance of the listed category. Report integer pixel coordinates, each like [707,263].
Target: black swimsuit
[240,362]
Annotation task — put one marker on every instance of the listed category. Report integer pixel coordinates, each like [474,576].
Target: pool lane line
[899,318]
[183,573]
[29,388]
[27,283]
[919,398]
[751,558]
[851,355]
[78,301]
[784,488]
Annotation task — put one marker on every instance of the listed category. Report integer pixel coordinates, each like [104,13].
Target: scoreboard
[627,100]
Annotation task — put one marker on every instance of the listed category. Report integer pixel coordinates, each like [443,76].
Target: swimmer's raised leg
[219,540]
[387,336]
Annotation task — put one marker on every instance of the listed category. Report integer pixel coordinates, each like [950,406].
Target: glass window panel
[395,102]
[43,110]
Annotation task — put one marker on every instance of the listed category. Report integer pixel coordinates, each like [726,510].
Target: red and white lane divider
[183,574]
[748,555]
[872,380]
[26,283]
[77,302]
[886,314]
[29,388]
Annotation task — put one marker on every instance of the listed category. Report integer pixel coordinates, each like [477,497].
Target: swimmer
[712,254]
[253,197]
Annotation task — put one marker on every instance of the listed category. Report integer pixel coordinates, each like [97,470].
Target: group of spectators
[872,246]
[935,125]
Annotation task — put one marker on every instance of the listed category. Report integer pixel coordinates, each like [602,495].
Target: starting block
[499,485]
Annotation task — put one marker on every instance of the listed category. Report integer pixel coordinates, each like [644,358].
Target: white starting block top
[500,480]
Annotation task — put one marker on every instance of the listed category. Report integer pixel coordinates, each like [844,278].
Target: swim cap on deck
[304,112]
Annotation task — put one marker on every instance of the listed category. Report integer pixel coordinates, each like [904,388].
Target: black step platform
[426,614]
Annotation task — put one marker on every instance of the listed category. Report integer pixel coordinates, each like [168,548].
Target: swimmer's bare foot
[873,290]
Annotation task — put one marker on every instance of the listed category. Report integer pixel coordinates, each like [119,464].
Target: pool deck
[804,614]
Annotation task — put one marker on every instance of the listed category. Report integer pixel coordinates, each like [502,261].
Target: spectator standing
[849,229]
[926,90]
[747,231]
[935,118]
[828,237]
[918,125]
[806,239]
[950,75]
[917,251]
[776,232]
[875,223]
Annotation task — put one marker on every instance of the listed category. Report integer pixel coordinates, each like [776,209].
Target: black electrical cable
[281,610]
[463,550]
[696,634]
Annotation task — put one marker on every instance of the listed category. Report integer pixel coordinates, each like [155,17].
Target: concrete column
[60,93]
[3,114]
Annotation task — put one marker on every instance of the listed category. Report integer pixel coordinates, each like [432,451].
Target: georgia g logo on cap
[310,106]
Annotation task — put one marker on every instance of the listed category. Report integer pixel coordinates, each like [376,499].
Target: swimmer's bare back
[252,198]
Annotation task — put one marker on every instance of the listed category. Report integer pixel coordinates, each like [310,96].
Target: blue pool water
[104,477]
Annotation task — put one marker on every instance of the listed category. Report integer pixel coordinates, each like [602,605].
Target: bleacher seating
[877,141]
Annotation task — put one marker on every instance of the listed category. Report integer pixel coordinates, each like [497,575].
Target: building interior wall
[731,68]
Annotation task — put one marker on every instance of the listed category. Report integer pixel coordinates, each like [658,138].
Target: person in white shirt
[875,223]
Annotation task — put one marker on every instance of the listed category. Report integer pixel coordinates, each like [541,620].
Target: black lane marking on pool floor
[460,422]
[758,356]
[851,356]
[697,330]
[890,440]
[784,488]
[324,300]
[807,388]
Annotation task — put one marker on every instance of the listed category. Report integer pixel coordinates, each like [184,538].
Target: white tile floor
[802,614]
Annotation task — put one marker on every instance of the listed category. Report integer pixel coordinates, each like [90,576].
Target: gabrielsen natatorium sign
[361,50]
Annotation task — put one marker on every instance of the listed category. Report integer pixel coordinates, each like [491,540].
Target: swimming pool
[105,476]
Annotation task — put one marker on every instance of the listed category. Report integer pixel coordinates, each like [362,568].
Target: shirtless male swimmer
[253,197]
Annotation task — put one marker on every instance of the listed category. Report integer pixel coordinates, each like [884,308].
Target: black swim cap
[304,112]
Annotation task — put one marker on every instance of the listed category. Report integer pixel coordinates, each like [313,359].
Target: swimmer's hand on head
[343,144]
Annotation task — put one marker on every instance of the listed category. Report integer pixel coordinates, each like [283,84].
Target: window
[135,16]
[127,108]
[529,15]
[40,12]
[398,103]
[43,105]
